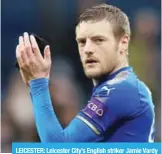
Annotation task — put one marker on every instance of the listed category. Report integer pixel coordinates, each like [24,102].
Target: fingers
[18,56]
[30,60]
[22,52]
[26,40]
[27,52]
[47,54]
[21,41]
[28,47]
[35,48]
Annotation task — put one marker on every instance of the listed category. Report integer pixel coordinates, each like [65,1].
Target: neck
[121,65]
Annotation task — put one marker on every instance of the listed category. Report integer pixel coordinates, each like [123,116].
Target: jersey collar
[111,76]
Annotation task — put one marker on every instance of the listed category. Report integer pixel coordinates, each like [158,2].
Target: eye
[98,40]
[81,42]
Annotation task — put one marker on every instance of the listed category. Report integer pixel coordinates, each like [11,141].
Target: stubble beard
[93,74]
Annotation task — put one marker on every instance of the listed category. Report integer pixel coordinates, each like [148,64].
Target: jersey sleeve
[48,126]
[110,104]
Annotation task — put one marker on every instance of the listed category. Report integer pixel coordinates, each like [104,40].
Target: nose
[88,48]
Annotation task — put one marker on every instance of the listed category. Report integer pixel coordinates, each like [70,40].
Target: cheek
[80,51]
[81,55]
[105,61]
[107,58]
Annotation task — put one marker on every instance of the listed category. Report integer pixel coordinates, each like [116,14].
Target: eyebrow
[79,38]
[93,37]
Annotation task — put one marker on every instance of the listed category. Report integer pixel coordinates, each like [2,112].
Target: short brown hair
[114,15]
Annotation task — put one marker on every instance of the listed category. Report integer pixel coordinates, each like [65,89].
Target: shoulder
[120,94]
[120,85]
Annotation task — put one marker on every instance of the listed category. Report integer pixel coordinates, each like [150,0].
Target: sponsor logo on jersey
[95,108]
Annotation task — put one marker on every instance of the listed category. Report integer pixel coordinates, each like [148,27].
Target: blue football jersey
[120,109]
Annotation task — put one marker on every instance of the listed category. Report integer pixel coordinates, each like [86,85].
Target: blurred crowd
[70,89]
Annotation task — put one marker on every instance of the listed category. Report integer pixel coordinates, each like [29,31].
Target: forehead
[89,29]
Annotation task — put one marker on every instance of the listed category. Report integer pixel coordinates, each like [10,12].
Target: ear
[123,45]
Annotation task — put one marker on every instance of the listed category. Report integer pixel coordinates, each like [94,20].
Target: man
[120,108]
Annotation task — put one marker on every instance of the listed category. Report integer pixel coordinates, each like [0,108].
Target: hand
[31,62]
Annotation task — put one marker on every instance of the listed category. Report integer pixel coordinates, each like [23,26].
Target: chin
[92,74]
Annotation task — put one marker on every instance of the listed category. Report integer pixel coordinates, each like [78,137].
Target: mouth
[91,61]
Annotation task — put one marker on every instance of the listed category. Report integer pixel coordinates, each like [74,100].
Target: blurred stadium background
[55,21]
